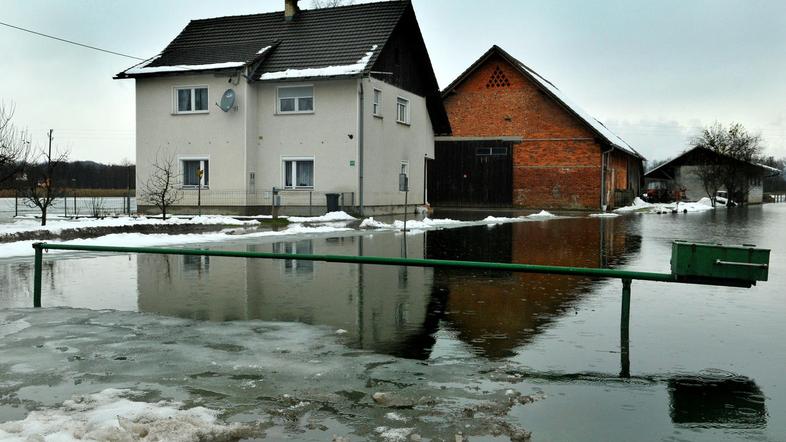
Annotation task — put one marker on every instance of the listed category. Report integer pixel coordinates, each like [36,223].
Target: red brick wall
[559,162]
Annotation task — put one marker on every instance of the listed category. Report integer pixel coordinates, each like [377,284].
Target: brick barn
[518,141]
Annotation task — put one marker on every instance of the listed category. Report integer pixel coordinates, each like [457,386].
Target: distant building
[334,100]
[680,174]
[518,141]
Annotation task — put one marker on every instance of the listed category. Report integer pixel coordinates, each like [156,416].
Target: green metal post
[37,264]
[625,330]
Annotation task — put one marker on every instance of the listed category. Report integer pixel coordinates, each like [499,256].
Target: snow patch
[394,434]
[604,215]
[143,69]
[331,216]
[110,415]
[57,226]
[641,206]
[329,71]
[542,214]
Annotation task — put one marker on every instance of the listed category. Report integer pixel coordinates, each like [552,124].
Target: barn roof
[551,90]
[329,42]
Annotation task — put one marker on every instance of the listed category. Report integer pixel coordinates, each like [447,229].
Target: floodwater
[299,348]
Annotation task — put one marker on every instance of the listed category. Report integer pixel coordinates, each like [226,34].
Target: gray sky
[654,72]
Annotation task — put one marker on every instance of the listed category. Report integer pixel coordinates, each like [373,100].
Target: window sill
[192,113]
[294,113]
[299,188]
[403,123]
[378,116]
[194,188]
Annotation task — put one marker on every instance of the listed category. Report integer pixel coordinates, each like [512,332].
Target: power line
[72,42]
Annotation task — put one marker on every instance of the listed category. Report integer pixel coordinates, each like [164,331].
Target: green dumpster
[735,265]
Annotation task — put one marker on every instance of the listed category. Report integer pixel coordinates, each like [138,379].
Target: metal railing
[627,276]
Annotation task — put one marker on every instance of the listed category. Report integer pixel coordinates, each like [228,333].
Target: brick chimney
[290,9]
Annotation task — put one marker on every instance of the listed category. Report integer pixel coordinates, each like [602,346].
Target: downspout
[603,166]
[360,146]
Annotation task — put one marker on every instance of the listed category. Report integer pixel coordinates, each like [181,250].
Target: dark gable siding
[406,57]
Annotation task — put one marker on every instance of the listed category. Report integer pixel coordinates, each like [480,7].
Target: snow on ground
[25,248]
[431,224]
[328,217]
[111,415]
[604,215]
[55,226]
[641,206]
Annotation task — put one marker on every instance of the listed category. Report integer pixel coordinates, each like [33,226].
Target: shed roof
[341,41]
[550,89]
[694,156]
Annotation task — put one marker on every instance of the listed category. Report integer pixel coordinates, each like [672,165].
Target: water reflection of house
[495,313]
[381,308]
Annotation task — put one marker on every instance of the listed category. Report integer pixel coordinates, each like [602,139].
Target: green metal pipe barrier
[377,260]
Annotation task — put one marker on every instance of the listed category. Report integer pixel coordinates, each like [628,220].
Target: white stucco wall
[388,143]
[255,138]
[216,135]
[328,135]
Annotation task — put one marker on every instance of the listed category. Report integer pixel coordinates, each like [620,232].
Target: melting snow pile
[328,217]
[111,415]
[541,214]
[641,206]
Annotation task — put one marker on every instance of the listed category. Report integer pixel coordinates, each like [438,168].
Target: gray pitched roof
[313,39]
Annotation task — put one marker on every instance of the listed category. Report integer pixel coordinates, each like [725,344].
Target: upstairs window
[377,103]
[298,173]
[295,99]
[189,100]
[402,110]
[191,173]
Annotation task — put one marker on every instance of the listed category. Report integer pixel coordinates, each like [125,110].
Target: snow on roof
[329,71]
[263,50]
[143,69]
[610,136]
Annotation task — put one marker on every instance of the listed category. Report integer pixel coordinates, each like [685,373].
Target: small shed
[683,173]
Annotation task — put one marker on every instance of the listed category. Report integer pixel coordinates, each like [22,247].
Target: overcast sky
[654,72]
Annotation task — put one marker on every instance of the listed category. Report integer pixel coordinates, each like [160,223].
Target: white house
[309,102]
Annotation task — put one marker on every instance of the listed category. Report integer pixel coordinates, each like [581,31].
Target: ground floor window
[299,173]
[196,172]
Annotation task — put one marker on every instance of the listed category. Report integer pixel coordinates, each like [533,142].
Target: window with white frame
[196,172]
[294,99]
[189,100]
[377,103]
[298,173]
[402,110]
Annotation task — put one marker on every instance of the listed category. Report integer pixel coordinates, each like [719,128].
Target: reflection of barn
[682,173]
[495,313]
[517,140]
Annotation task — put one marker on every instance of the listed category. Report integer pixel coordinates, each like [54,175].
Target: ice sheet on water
[278,377]
[641,206]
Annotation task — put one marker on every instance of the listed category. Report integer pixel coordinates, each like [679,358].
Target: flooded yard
[310,350]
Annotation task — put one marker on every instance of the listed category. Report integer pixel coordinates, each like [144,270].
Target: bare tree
[42,180]
[162,187]
[14,145]
[320,4]
[96,207]
[732,143]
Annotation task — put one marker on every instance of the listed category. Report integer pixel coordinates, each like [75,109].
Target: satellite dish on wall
[227,100]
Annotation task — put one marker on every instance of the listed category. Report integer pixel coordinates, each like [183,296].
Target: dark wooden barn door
[471,173]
